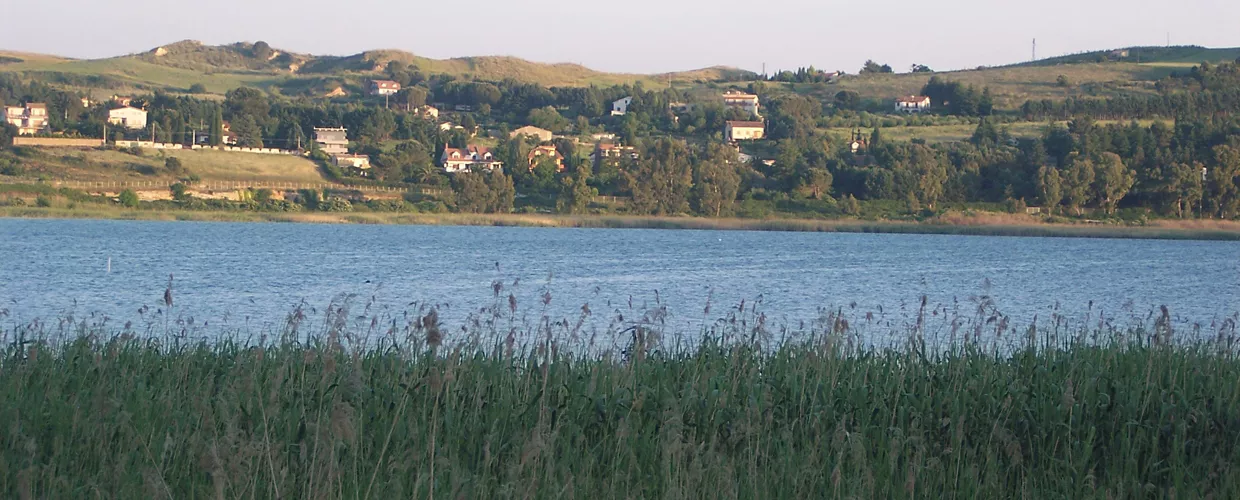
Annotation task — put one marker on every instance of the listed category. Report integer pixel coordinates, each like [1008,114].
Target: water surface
[250,275]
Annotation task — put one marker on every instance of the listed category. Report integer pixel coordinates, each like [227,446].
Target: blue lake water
[250,276]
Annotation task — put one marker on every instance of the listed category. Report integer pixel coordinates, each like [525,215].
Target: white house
[469,159]
[29,119]
[383,87]
[738,99]
[333,141]
[912,104]
[358,162]
[619,108]
[130,118]
[744,131]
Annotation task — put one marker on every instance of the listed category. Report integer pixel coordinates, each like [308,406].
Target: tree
[262,51]
[872,67]
[716,181]
[850,206]
[1062,81]
[662,180]
[1050,188]
[575,193]
[548,118]
[411,97]
[129,199]
[472,193]
[848,99]
[1113,181]
[249,135]
[180,192]
[1077,182]
[1224,176]
[172,163]
[197,88]
[503,192]
[217,128]
[920,68]
[931,174]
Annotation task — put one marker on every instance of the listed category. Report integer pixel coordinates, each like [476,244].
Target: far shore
[952,224]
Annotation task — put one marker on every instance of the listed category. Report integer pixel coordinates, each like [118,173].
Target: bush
[172,163]
[43,201]
[336,205]
[197,88]
[129,199]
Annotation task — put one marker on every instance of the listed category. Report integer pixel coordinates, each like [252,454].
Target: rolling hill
[176,67]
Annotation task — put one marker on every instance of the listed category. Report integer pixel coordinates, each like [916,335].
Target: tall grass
[404,406]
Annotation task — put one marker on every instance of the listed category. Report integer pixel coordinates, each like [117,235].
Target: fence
[148,145]
[57,142]
[238,185]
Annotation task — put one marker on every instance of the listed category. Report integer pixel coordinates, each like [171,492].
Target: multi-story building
[29,119]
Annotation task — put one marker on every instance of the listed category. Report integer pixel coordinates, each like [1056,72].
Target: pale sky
[644,36]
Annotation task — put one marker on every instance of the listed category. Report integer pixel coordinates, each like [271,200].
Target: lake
[248,276]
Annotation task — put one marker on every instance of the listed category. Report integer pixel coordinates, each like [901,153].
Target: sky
[637,36]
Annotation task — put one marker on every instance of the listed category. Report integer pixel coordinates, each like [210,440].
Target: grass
[400,405]
[954,224]
[937,134]
[1011,86]
[108,165]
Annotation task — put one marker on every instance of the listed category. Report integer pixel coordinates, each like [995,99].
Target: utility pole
[1034,57]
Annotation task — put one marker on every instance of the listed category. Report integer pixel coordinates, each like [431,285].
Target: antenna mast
[1035,50]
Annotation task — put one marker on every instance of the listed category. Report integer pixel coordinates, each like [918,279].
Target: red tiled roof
[912,99]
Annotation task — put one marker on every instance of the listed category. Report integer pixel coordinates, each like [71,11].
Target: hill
[175,67]
[178,66]
[1182,55]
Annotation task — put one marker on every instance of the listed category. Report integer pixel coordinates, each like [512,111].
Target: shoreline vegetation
[409,407]
[949,224]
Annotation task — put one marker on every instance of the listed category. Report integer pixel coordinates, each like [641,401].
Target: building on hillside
[29,119]
[620,107]
[333,141]
[469,159]
[464,108]
[679,107]
[383,87]
[130,118]
[358,163]
[610,152]
[1119,54]
[336,92]
[742,100]
[542,134]
[428,112]
[86,102]
[912,104]
[744,131]
[546,151]
[229,138]
[858,143]
[122,100]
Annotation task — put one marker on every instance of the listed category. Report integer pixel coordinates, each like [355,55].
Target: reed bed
[969,226]
[405,406]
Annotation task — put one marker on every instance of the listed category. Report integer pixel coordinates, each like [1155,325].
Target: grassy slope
[114,166]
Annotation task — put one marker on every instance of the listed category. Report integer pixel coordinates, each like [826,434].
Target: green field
[414,408]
